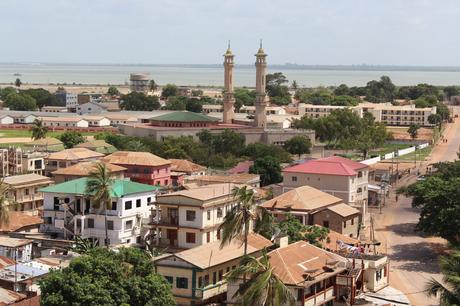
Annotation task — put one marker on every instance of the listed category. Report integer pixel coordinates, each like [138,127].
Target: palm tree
[99,188]
[83,246]
[5,203]
[38,130]
[237,221]
[449,291]
[264,287]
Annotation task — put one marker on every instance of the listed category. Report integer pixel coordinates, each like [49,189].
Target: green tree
[294,85]
[264,287]
[371,135]
[71,139]
[298,145]
[451,91]
[38,130]
[269,170]
[103,277]
[260,150]
[197,93]
[42,97]
[413,130]
[169,90]
[99,188]
[237,220]
[435,119]
[244,96]
[381,91]
[449,290]
[83,246]
[296,231]
[176,103]
[153,86]
[21,102]
[17,82]
[138,101]
[4,92]
[194,105]
[276,90]
[113,91]
[342,90]
[443,111]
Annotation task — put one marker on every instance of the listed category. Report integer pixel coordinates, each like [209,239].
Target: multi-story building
[142,167]
[24,189]
[184,169]
[71,101]
[33,162]
[387,113]
[312,206]
[69,210]
[197,275]
[269,110]
[21,222]
[139,82]
[190,218]
[69,157]
[14,161]
[339,176]
[83,169]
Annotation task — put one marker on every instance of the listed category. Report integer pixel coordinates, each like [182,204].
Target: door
[171,234]
[173,216]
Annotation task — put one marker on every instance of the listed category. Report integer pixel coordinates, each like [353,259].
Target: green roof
[119,188]
[184,116]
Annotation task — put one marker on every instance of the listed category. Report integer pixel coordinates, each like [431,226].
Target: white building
[26,119]
[64,122]
[270,110]
[71,100]
[5,119]
[16,248]
[97,121]
[91,108]
[69,211]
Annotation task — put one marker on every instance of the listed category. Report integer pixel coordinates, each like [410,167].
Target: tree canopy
[276,88]
[169,90]
[103,277]
[43,97]
[298,145]
[268,168]
[137,101]
[71,138]
[21,102]
[113,91]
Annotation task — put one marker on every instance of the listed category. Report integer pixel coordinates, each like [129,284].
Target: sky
[322,32]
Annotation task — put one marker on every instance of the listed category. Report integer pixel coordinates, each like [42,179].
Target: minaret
[229,99]
[260,117]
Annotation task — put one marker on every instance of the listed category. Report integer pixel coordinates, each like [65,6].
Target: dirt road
[414,258]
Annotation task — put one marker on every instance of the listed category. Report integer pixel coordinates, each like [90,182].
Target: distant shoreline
[287,66]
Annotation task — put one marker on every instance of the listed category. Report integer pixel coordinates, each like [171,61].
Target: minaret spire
[260,118]
[229,99]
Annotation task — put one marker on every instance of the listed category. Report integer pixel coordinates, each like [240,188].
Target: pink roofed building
[241,167]
[339,176]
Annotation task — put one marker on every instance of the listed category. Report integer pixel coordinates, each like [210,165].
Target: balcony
[171,221]
[211,290]
[320,297]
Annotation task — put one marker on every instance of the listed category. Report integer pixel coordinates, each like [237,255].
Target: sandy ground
[15,139]
[414,258]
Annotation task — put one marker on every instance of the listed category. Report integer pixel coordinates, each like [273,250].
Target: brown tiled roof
[202,193]
[304,198]
[183,165]
[343,210]
[74,154]
[212,254]
[5,262]
[19,220]
[241,178]
[135,158]
[25,179]
[61,119]
[92,144]
[10,242]
[85,168]
[295,261]
[333,237]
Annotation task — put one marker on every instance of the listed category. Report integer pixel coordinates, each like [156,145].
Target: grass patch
[421,155]
[26,133]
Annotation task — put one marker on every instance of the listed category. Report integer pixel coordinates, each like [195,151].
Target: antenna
[261,43]
[228,44]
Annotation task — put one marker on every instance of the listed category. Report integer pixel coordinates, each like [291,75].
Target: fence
[391,155]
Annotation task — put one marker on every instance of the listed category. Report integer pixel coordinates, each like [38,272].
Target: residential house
[97,121]
[21,222]
[310,273]
[241,167]
[241,178]
[312,206]
[339,176]
[6,120]
[68,211]
[197,275]
[83,169]
[190,218]
[17,249]
[24,189]
[33,162]
[270,110]
[48,144]
[69,157]
[142,167]
[182,168]
[99,146]
[14,161]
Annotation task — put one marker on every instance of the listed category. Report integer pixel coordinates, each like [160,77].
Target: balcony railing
[211,290]
[320,297]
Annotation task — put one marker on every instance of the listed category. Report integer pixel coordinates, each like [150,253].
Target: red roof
[242,167]
[334,165]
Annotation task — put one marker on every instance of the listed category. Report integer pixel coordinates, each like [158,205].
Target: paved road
[413,257]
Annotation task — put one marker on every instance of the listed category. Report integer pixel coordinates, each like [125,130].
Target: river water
[211,75]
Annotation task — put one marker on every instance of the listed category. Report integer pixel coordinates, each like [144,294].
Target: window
[48,220]
[128,205]
[27,191]
[190,237]
[90,223]
[221,274]
[344,224]
[294,178]
[114,205]
[169,279]
[110,225]
[219,212]
[326,224]
[206,280]
[214,278]
[182,282]
[138,203]
[218,234]
[353,221]
[149,201]
[360,174]
[208,237]
[359,190]
[200,282]
[190,215]
[378,274]
[208,213]
[56,203]
[128,224]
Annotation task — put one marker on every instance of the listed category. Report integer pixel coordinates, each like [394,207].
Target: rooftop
[61,119]
[85,168]
[99,146]
[241,167]
[202,193]
[212,254]
[136,158]
[6,241]
[26,179]
[334,239]
[240,178]
[301,263]
[74,154]
[19,220]
[334,165]
[184,116]
[49,141]
[119,188]
[343,210]
[303,198]
[183,165]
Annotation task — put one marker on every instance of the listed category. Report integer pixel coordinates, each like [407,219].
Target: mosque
[184,123]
